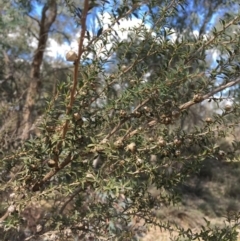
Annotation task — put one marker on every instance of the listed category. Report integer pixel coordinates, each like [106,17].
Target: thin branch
[4,217]
[206,96]
[76,66]
[230,23]
[76,192]
[116,128]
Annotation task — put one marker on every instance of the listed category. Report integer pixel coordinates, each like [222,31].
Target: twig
[4,216]
[236,19]
[218,89]
[76,66]
[70,199]
[116,128]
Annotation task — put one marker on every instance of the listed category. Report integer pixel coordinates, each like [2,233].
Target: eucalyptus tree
[113,129]
[29,74]
[203,15]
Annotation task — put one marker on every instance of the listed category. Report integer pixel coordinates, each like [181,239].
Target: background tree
[24,44]
[109,135]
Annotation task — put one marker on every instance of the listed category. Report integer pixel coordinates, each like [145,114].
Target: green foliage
[109,134]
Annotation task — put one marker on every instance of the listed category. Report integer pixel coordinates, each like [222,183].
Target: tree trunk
[49,13]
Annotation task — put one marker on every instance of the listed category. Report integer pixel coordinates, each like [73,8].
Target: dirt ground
[186,218]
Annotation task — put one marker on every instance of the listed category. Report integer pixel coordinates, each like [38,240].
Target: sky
[55,50]
[59,50]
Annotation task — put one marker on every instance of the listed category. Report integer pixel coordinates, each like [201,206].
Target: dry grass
[185,218]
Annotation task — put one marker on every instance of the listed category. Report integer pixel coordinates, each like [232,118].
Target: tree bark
[48,16]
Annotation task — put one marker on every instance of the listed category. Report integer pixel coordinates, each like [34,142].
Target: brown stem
[76,192]
[76,66]
[204,97]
